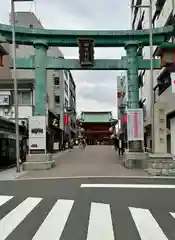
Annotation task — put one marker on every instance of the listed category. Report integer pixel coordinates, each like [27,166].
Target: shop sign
[4,100]
[37,133]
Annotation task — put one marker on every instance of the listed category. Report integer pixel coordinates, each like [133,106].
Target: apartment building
[61,89]
[164,114]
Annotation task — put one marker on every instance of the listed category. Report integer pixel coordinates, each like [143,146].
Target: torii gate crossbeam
[42,39]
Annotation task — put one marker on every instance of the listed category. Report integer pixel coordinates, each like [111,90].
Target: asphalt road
[76,209]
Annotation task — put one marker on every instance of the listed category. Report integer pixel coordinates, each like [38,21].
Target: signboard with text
[4,100]
[135,124]
[37,133]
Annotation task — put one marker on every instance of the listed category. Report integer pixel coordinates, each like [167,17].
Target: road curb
[86,177]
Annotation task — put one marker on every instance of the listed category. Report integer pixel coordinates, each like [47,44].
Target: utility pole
[151,77]
[15,84]
[15,79]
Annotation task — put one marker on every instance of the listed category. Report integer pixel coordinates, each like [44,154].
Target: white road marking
[147,226]
[4,199]
[53,225]
[172,214]
[100,222]
[127,186]
[16,216]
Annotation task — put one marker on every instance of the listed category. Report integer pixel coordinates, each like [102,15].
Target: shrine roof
[97,117]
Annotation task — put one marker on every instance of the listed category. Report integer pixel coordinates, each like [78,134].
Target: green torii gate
[42,39]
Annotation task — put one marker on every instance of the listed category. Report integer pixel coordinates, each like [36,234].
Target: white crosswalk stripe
[99,227]
[16,216]
[146,225]
[4,199]
[100,222]
[55,221]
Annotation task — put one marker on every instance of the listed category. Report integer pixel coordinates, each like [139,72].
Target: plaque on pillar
[37,134]
[160,127]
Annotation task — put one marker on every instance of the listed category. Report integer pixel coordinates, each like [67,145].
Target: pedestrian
[116,143]
[121,146]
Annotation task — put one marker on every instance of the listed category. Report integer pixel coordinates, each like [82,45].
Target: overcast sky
[96,90]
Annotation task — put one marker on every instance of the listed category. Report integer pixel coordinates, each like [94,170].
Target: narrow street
[98,208]
[87,191]
[97,160]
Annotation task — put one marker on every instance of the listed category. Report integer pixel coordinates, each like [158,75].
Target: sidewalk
[93,161]
[11,174]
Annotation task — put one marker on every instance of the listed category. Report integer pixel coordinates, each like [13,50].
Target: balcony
[165,12]
[159,5]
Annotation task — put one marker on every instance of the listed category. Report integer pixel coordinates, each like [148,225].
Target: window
[164,83]
[24,98]
[57,99]
[57,81]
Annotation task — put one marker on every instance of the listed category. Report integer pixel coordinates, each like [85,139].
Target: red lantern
[118,94]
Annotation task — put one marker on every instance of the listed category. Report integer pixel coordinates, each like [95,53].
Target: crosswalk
[100,224]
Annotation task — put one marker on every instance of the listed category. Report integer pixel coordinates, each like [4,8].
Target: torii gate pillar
[136,151]
[41,48]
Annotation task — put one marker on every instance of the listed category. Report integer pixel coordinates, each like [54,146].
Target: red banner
[66,120]
[136,124]
[124,119]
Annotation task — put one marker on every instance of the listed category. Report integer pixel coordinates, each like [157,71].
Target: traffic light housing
[86,51]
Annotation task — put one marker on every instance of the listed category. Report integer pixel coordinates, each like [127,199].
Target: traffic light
[86,51]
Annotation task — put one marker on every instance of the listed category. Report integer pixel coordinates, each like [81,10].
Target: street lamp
[151,67]
[15,79]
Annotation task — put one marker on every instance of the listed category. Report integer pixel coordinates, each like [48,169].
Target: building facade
[164,108]
[122,98]
[61,89]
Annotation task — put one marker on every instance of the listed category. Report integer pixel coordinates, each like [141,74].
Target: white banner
[172,75]
[37,133]
[135,124]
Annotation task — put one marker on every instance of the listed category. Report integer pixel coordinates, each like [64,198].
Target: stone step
[39,157]
[28,166]
[171,172]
